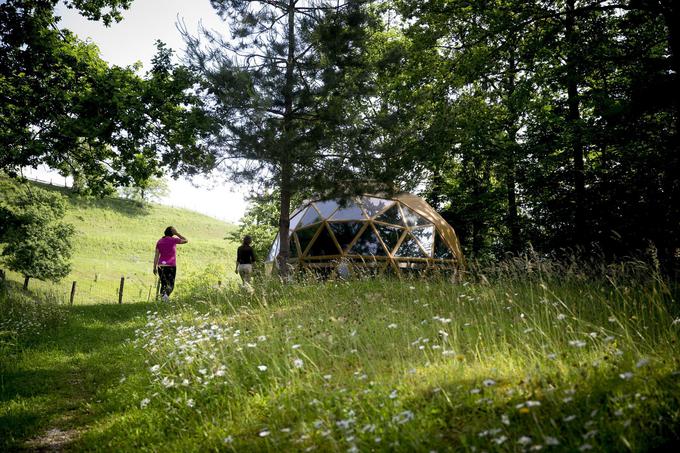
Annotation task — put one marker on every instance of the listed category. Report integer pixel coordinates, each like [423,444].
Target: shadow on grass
[603,411]
[60,371]
[607,413]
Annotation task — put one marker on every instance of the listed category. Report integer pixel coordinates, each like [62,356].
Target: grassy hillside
[116,238]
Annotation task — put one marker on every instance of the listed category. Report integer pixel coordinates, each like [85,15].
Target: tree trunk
[573,122]
[671,15]
[513,217]
[511,168]
[26,279]
[479,227]
[284,221]
[437,185]
[286,165]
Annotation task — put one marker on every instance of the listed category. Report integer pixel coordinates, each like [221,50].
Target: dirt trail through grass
[50,394]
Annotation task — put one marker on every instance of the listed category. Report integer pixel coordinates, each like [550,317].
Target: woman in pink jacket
[165,260]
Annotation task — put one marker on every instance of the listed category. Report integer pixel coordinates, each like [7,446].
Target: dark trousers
[167,276]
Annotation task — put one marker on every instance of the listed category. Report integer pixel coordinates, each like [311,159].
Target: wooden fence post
[26,279]
[120,290]
[73,293]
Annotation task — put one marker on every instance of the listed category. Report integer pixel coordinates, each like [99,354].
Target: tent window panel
[441,250]
[426,238]
[311,216]
[274,251]
[323,245]
[295,220]
[369,245]
[350,212]
[374,205]
[345,232]
[410,248]
[326,208]
[414,219]
[389,234]
[392,215]
[305,236]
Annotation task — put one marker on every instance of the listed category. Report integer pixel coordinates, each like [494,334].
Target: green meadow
[116,238]
[548,362]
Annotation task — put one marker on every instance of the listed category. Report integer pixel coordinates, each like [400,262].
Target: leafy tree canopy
[61,105]
[153,188]
[34,239]
[279,88]
[539,124]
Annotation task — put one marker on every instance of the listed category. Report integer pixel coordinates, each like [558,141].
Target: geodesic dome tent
[398,234]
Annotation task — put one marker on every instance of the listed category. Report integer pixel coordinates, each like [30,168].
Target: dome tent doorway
[398,234]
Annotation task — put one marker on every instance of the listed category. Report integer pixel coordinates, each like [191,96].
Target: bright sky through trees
[132,40]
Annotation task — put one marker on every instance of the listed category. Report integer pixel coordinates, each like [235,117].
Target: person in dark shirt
[245,258]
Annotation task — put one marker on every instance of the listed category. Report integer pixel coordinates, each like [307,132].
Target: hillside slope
[116,238]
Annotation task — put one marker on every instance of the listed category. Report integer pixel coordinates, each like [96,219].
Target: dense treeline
[549,124]
[544,124]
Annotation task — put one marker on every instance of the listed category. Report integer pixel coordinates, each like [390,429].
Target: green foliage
[64,107]
[537,124]
[36,242]
[107,11]
[201,284]
[153,189]
[279,92]
[24,318]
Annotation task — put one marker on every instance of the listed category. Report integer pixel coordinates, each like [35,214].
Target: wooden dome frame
[371,217]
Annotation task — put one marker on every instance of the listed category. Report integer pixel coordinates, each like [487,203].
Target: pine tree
[277,86]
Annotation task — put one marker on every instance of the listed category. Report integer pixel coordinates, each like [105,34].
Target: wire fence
[94,290]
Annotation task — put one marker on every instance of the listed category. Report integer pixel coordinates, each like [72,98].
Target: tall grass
[559,361]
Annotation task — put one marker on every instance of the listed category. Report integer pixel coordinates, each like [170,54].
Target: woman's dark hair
[168,231]
[247,240]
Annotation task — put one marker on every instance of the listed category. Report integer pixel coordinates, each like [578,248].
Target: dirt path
[50,393]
